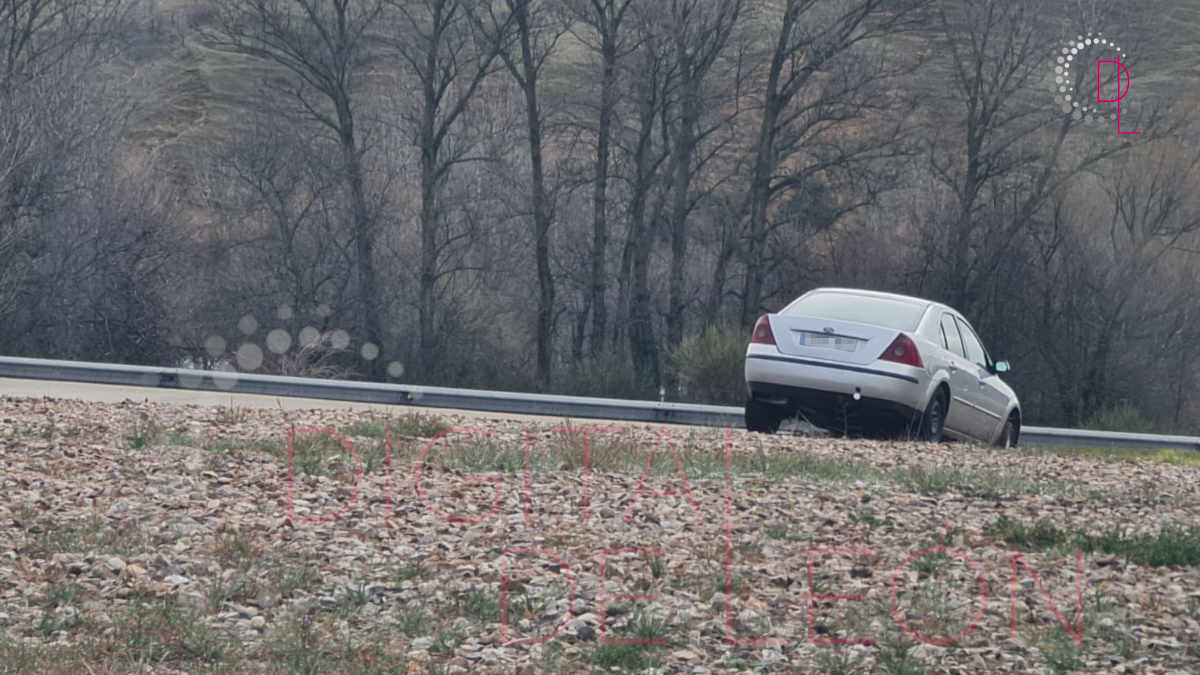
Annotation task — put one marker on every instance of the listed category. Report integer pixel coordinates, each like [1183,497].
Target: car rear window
[898,314]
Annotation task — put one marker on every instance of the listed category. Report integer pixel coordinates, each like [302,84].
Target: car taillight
[762,332]
[903,350]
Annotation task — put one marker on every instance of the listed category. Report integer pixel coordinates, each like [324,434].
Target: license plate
[845,344]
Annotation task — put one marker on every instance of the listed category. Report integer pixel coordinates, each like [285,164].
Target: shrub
[1125,417]
[710,367]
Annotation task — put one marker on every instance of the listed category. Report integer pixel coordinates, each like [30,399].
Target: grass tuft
[1172,545]
[633,656]
[419,425]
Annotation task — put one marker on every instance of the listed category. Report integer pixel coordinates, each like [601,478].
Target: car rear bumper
[839,412]
[824,391]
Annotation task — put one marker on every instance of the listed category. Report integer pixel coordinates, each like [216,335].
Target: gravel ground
[142,537]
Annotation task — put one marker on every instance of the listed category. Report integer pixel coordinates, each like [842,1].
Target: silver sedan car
[851,361]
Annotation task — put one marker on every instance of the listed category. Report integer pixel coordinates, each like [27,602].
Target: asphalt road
[108,393]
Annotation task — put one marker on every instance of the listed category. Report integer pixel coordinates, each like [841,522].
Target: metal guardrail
[486,401]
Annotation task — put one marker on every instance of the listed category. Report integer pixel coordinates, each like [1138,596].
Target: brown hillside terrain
[194,92]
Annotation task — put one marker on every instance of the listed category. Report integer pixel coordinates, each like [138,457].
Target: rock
[582,620]
[719,602]
[177,580]
[134,572]
[186,526]
[771,656]
[747,617]
[115,564]
[194,600]
[422,643]
[258,623]
[616,609]
[490,656]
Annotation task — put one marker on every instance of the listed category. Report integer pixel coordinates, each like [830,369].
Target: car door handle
[953,368]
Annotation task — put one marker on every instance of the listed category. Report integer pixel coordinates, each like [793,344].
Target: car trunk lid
[830,339]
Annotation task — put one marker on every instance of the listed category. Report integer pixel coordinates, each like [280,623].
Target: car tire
[762,417]
[1008,435]
[933,420]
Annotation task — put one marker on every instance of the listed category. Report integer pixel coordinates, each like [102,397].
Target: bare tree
[604,20]
[57,124]
[1097,286]
[279,201]
[536,31]
[818,85]
[324,46]
[450,57]
[1012,151]
[700,30]
[652,82]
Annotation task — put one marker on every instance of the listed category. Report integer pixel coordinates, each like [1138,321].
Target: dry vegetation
[152,538]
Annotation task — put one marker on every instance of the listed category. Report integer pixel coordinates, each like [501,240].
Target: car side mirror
[1002,367]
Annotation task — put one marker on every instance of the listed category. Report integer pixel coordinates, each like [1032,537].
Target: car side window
[974,348]
[950,332]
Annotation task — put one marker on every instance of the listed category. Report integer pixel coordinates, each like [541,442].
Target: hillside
[195,93]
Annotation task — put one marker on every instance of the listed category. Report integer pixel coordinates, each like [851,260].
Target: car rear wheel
[933,421]
[762,417]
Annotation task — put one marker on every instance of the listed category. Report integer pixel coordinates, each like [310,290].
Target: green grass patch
[1037,536]
[1172,457]
[143,433]
[48,431]
[478,604]
[1172,545]
[633,656]
[165,632]
[237,549]
[353,599]
[413,621]
[93,534]
[289,580]
[836,660]
[419,425]
[63,595]
[1060,651]
[624,456]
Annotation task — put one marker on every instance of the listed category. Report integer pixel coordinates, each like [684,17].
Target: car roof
[876,294]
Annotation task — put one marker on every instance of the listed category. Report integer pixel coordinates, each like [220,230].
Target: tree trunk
[541,206]
[426,300]
[760,197]
[364,237]
[716,292]
[642,346]
[764,170]
[681,184]
[600,197]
